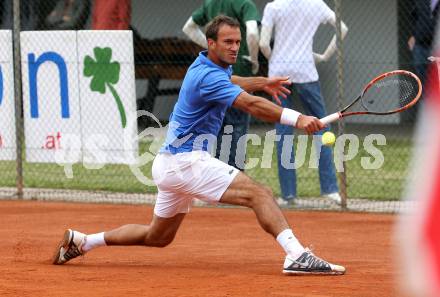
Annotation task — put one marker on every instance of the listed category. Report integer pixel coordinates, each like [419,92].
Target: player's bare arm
[274,86]
[265,110]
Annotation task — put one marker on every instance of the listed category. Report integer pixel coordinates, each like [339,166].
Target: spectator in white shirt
[293,23]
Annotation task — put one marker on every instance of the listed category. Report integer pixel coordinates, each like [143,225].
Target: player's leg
[169,173]
[211,180]
[216,181]
[244,191]
[159,233]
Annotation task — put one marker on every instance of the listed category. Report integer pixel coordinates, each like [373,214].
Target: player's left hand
[276,87]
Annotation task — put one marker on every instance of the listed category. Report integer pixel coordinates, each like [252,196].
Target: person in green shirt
[236,122]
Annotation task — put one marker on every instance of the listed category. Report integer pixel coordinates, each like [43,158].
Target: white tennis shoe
[290,202]
[69,247]
[335,197]
[308,263]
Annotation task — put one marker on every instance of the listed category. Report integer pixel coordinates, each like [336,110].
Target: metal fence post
[340,94]
[18,99]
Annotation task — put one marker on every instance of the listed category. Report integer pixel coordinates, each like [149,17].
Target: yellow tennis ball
[328,138]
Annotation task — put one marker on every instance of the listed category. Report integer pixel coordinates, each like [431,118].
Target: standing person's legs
[233,151]
[286,170]
[420,59]
[311,98]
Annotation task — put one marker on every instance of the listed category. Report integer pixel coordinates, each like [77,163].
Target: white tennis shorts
[182,177]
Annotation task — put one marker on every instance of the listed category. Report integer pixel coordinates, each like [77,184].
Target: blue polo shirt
[197,117]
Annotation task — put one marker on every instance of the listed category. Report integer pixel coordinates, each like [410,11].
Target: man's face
[224,51]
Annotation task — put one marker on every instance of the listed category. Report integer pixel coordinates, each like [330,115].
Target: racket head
[389,93]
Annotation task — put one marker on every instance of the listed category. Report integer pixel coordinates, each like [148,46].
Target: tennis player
[184,170]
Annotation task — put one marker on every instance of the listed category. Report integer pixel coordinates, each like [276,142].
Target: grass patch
[384,183]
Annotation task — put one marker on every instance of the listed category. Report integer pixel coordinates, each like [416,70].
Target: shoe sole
[290,272]
[63,243]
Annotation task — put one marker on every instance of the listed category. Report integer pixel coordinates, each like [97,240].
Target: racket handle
[331,118]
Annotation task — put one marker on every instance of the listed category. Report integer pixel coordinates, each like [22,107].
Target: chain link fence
[82,88]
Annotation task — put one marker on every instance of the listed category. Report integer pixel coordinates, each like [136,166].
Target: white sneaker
[70,247]
[285,203]
[308,263]
[335,197]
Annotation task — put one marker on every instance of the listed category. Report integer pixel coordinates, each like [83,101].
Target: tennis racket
[388,93]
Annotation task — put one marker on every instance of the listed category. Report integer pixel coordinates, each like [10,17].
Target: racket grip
[331,118]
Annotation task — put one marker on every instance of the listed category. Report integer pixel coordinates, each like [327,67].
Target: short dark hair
[214,26]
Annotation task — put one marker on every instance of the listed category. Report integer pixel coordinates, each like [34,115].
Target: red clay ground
[217,252]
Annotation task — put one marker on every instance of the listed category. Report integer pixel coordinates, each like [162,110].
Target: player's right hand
[309,124]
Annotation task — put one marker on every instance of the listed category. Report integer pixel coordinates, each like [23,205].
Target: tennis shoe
[290,202]
[69,247]
[308,263]
[335,197]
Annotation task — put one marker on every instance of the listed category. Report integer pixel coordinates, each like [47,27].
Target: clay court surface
[217,252]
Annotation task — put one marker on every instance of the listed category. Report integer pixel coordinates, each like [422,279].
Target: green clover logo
[104,74]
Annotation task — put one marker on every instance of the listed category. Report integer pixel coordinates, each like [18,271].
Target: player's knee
[163,242]
[268,192]
[261,195]
[265,193]
[159,240]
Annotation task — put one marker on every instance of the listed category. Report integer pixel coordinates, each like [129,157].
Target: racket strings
[390,93]
[409,89]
